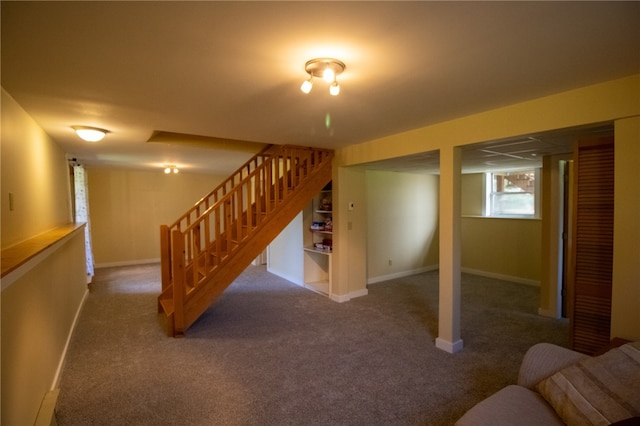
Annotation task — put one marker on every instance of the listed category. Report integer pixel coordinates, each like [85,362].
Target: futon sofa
[557,386]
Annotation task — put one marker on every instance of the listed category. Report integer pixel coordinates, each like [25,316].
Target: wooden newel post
[179,278]
[165,256]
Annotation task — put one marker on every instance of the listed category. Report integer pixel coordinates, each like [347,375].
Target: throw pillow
[599,390]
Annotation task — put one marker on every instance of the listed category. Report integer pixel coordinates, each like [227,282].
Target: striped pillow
[599,390]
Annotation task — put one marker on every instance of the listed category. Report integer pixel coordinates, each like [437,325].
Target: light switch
[11,201]
[350,205]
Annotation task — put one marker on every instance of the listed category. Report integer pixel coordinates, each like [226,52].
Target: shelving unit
[318,242]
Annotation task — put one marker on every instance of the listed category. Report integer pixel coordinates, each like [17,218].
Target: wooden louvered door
[590,273]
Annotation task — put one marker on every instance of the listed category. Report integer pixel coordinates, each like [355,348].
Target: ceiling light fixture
[328,69]
[90,134]
[171,168]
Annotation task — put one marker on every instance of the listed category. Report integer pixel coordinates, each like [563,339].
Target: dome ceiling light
[326,68]
[90,134]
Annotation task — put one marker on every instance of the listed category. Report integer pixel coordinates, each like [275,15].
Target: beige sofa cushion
[512,405]
[599,390]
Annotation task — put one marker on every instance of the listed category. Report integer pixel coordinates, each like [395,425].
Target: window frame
[488,186]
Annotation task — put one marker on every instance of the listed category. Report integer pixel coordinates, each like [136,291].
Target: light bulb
[167,170]
[306,86]
[328,75]
[334,89]
[90,134]
[175,170]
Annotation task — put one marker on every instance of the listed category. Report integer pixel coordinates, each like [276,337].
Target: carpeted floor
[271,353]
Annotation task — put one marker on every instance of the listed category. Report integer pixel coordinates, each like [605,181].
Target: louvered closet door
[592,241]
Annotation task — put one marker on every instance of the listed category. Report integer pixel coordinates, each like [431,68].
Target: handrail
[221,187]
[258,187]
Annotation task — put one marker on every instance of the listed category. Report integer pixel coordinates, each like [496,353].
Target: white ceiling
[232,71]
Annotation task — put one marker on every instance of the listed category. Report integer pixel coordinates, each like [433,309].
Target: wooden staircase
[212,243]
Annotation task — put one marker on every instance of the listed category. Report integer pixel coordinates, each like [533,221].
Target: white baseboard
[501,277]
[47,412]
[126,263]
[451,347]
[346,297]
[63,357]
[401,274]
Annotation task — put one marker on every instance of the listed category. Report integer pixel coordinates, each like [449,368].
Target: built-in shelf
[317,261]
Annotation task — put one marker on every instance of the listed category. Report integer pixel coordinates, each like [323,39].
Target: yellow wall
[41,299]
[128,206]
[497,247]
[38,314]
[503,248]
[625,315]
[471,194]
[35,171]
[402,216]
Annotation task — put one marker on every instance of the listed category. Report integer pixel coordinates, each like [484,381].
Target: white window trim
[486,200]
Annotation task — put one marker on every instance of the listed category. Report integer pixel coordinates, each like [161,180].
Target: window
[511,194]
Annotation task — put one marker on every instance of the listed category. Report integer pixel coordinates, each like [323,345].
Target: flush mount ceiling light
[90,134]
[171,168]
[326,68]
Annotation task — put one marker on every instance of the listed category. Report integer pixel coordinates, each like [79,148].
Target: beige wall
[503,248]
[41,299]
[616,101]
[471,194]
[402,216]
[128,206]
[35,171]
[625,315]
[38,313]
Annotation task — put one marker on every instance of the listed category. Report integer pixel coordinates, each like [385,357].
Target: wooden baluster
[227,225]
[207,244]
[195,262]
[179,275]
[238,213]
[218,234]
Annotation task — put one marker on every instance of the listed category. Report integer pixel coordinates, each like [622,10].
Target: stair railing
[202,239]
[200,207]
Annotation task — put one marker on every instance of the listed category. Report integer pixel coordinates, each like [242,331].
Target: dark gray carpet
[271,353]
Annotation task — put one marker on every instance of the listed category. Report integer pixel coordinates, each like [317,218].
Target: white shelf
[319,251]
[320,231]
[318,286]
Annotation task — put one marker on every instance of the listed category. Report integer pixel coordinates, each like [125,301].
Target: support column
[449,307]
[349,258]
